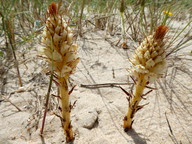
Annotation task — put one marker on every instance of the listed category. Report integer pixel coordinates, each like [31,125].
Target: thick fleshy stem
[66,109]
[133,106]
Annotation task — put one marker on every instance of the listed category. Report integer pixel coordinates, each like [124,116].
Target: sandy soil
[98,114]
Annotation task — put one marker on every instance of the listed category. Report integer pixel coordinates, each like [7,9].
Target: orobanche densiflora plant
[147,65]
[60,53]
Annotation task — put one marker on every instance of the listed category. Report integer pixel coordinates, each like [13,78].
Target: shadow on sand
[63,142]
[136,138]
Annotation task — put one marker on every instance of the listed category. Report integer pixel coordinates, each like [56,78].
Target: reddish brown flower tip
[160,32]
[53,8]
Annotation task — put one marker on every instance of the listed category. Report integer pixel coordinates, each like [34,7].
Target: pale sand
[98,115]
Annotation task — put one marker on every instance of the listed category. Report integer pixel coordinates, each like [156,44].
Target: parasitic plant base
[134,104]
[61,55]
[148,64]
[66,109]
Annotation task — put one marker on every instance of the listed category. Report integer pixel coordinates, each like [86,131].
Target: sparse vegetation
[111,36]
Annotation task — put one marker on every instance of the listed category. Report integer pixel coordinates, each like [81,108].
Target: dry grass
[99,27]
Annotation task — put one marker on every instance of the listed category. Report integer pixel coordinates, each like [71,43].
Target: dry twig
[95,86]
[8,100]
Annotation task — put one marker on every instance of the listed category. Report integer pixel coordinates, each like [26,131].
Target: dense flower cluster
[149,59]
[58,44]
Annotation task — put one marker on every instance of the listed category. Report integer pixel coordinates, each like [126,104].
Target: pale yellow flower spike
[60,52]
[148,64]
